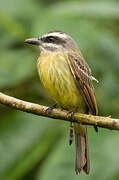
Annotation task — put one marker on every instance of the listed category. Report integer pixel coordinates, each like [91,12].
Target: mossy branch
[104,122]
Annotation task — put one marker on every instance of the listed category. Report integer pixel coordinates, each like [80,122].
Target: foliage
[37,148]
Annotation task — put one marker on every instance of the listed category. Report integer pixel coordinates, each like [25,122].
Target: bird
[67,77]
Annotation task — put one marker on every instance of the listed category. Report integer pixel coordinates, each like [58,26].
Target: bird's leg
[71,133]
[49,109]
[71,129]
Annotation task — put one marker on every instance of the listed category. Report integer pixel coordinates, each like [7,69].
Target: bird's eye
[50,39]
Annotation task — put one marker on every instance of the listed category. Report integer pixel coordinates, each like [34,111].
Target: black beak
[34,41]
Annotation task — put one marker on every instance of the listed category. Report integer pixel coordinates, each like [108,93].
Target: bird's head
[54,41]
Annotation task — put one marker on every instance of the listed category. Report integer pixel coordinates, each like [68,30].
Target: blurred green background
[36,148]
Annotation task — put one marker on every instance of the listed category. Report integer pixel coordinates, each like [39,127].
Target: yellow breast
[57,78]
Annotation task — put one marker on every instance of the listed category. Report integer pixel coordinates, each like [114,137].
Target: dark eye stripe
[49,39]
[53,39]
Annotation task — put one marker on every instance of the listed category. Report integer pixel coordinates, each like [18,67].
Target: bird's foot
[71,113]
[49,109]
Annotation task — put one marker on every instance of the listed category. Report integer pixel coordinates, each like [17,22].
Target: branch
[104,122]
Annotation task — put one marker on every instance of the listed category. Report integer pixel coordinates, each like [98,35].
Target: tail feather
[82,152]
[87,165]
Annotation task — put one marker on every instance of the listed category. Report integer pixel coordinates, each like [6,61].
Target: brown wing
[82,74]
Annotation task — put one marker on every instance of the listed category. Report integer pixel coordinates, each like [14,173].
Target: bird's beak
[34,41]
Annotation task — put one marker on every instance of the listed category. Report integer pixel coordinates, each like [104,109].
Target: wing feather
[83,77]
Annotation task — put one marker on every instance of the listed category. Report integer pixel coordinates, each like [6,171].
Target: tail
[82,149]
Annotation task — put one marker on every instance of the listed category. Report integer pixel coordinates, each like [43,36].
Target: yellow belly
[57,78]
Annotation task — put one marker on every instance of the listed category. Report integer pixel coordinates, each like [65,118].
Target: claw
[71,113]
[49,109]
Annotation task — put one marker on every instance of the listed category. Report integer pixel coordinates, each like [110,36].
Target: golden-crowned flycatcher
[67,77]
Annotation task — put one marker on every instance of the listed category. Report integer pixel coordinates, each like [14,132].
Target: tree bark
[100,121]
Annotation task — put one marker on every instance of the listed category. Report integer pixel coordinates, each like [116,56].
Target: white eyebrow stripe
[58,34]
